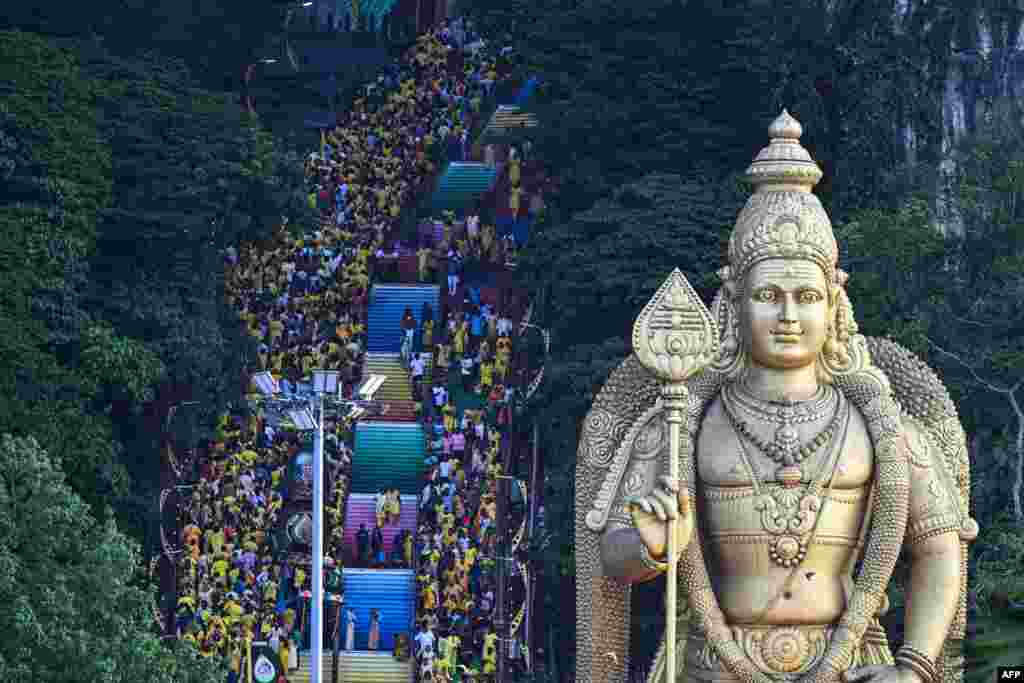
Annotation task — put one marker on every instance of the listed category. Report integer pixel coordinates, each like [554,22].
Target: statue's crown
[783,219]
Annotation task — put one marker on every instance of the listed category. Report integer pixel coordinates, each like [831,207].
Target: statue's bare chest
[725,457]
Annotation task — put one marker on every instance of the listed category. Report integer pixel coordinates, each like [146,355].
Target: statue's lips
[787,337]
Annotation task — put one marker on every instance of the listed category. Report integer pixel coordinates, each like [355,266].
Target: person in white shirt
[467,371]
[425,640]
[418,367]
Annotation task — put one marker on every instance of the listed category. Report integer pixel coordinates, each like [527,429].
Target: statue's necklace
[785,514]
[786,448]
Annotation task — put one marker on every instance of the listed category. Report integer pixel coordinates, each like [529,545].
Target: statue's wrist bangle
[650,562]
[918,662]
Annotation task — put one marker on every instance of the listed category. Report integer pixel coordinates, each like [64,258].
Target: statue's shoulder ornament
[936,444]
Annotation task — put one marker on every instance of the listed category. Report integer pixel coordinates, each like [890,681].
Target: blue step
[387,306]
[388,590]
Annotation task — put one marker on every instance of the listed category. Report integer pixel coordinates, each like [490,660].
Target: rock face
[985,77]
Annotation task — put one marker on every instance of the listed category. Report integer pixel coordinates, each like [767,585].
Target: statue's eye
[765,295]
[809,297]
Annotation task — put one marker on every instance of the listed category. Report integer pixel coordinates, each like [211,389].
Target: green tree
[124,180]
[978,335]
[74,606]
[56,181]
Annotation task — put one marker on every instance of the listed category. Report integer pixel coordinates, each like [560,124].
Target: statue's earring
[831,348]
[724,310]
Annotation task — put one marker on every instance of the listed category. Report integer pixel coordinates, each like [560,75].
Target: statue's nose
[787,311]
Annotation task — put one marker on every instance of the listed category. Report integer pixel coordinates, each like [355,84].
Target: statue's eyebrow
[799,286]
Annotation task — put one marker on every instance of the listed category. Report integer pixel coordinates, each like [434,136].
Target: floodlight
[302,419]
[325,381]
[266,383]
[371,386]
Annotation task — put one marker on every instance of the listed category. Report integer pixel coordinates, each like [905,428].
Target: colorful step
[362,509]
[397,386]
[387,590]
[356,667]
[388,304]
[388,455]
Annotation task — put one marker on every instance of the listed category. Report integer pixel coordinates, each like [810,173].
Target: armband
[918,662]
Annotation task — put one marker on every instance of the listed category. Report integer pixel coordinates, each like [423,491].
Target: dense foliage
[124,183]
[75,608]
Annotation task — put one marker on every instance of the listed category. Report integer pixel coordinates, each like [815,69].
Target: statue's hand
[880,673]
[651,514]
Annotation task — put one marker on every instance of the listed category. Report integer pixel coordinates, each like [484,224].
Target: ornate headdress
[783,219]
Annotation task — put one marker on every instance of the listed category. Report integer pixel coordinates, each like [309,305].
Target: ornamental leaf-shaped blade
[675,336]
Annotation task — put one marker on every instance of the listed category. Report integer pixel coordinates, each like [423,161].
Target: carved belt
[785,652]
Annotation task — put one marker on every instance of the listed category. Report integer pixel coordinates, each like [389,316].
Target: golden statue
[806,458]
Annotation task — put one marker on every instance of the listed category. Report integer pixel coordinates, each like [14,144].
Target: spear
[675,337]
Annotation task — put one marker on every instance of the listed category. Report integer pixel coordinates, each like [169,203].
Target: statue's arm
[933,542]
[623,555]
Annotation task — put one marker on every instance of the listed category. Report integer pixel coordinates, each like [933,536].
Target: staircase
[356,667]
[387,305]
[397,386]
[388,455]
[362,509]
[388,590]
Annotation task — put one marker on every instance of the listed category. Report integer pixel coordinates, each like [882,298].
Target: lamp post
[301,412]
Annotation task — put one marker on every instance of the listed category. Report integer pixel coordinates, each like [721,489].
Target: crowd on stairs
[303,296]
[470,399]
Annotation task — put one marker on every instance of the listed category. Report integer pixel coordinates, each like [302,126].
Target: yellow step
[397,386]
[357,667]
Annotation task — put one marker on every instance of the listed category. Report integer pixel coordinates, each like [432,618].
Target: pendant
[787,551]
[787,438]
[789,475]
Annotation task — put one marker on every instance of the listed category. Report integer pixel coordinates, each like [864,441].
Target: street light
[325,383]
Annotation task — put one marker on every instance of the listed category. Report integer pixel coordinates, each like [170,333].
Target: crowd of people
[456,539]
[303,297]
[235,583]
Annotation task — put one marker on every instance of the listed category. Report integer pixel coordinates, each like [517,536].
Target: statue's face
[785,312]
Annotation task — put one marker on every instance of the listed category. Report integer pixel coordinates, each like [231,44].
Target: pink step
[361,509]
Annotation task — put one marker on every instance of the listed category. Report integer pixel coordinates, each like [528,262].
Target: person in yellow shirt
[429,598]
[490,652]
[428,334]
[459,342]
[449,416]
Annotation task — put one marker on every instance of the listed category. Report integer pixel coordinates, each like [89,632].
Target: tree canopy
[75,606]
[124,182]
